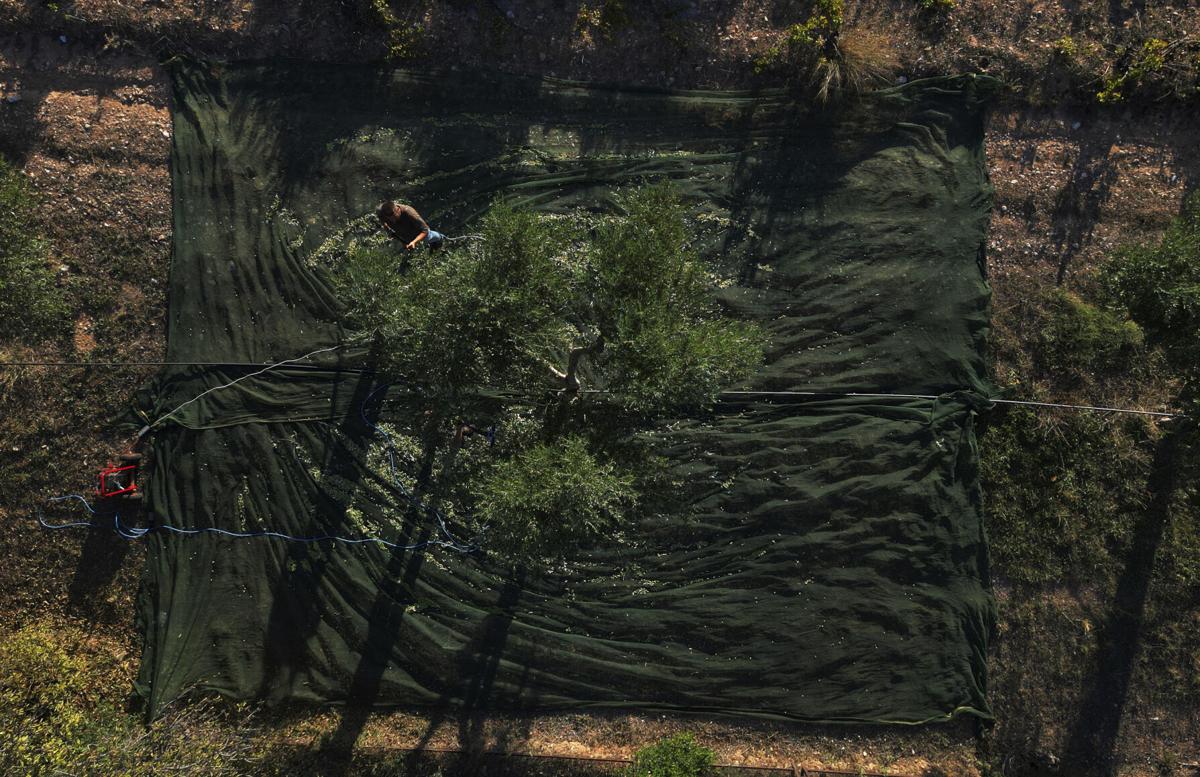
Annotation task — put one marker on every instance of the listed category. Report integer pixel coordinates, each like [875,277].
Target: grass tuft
[833,63]
[1061,491]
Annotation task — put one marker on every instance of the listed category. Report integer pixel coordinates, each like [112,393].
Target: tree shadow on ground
[478,661]
[472,700]
[1091,746]
[1077,208]
[100,561]
[383,631]
[293,618]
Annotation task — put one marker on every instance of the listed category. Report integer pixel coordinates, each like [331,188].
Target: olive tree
[565,333]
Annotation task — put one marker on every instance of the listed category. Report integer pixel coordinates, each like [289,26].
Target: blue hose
[136,533]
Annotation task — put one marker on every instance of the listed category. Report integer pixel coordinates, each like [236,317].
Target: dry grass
[867,59]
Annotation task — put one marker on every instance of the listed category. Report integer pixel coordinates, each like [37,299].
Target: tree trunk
[570,378]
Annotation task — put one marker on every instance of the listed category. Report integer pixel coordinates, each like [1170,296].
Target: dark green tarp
[828,561]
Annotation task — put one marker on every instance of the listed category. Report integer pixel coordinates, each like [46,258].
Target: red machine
[120,480]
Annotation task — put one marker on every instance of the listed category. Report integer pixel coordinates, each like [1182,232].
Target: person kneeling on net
[404,223]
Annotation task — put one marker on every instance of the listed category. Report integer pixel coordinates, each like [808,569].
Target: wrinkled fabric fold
[825,557]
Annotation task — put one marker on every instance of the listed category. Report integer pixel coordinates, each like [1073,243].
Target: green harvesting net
[826,560]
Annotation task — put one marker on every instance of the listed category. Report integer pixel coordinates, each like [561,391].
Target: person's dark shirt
[407,223]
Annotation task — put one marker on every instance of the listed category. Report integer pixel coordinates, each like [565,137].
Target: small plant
[31,305]
[605,18]
[813,39]
[55,10]
[1149,59]
[1081,60]
[1075,66]
[939,7]
[677,756]
[1065,48]
[403,37]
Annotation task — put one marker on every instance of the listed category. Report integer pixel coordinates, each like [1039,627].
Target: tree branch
[571,378]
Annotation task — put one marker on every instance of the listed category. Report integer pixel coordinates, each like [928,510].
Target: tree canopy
[565,333]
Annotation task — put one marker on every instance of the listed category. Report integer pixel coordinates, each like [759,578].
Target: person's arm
[416,240]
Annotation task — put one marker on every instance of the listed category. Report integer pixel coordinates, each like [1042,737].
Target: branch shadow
[337,750]
[480,660]
[385,619]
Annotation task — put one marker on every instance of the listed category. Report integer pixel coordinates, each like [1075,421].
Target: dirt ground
[84,113]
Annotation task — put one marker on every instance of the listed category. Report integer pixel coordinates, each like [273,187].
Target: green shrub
[677,756]
[1160,286]
[606,18]
[61,696]
[808,42]
[1079,339]
[44,699]
[31,306]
